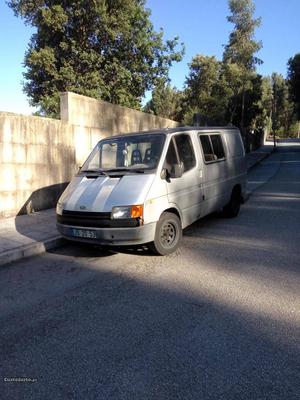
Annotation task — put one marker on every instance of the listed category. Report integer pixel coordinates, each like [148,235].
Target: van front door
[184,191]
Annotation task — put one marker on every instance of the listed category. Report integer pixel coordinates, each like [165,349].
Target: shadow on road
[117,333]
[219,319]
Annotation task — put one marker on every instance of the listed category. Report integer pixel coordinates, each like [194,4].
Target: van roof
[179,129]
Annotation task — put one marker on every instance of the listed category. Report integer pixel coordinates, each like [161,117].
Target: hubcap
[168,234]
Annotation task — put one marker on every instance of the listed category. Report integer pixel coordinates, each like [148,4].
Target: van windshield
[134,153]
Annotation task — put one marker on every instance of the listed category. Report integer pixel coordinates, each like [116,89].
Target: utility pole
[274,110]
[274,139]
[242,120]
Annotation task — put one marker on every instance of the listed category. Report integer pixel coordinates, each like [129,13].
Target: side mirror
[164,174]
[176,170]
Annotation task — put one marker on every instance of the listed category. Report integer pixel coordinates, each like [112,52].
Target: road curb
[31,249]
[249,193]
[256,162]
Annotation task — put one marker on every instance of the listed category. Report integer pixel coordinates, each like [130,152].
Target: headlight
[59,209]
[125,212]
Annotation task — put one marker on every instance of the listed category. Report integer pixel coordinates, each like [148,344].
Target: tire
[168,234]
[232,209]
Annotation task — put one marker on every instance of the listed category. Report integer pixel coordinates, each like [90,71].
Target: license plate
[84,233]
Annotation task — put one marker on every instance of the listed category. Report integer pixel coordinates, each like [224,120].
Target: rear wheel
[232,209]
[168,234]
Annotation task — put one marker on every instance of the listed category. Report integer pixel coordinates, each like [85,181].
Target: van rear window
[212,147]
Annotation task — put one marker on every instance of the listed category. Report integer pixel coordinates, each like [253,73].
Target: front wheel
[168,234]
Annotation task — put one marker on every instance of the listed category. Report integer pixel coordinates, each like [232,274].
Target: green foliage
[253,95]
[294,81]
[265,103]
[240,51]
[232,92]
[294,131]
[229,91]
[105,49]
[233,83]
[242,47]
[205,91]
[166,102]
[282,108]
[214,89]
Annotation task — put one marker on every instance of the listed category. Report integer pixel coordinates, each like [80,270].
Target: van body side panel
[215,180]
[185,192]
[221,176]
[156,201]
[215,185]
[236,151]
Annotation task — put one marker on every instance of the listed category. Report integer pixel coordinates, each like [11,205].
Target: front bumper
[110,236]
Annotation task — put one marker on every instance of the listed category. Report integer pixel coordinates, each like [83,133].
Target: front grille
[95,220]
[87,214]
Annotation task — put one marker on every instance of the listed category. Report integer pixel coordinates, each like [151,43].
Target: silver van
[146,187]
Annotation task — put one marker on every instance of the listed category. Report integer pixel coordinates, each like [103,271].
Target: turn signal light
[137,211]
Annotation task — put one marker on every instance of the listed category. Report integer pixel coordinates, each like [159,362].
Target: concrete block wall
[94,119]
[38,156]
[35,153]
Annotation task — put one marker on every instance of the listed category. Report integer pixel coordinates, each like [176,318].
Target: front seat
[148,156]
[136,157]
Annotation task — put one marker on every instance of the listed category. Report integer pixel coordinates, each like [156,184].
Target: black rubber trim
[86,214]
[95,220]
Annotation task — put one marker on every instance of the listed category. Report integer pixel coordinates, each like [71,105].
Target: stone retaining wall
[38,156]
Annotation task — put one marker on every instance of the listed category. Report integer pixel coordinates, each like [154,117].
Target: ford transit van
[145,187]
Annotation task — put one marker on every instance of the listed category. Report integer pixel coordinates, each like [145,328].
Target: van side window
[217,146]
[186,151]
[171,157]
[212,146]
[207,148]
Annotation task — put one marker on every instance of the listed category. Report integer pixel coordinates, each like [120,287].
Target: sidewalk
[257,156]
[28,235]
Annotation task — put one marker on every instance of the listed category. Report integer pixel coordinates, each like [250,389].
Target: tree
[294,82]
[232,82]
[165,102]
[264,118]
[106,49]
[282,111]
[204,91]
[242,48]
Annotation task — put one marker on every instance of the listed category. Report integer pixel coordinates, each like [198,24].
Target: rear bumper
[109,236]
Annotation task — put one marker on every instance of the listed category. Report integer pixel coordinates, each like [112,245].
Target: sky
[200,24]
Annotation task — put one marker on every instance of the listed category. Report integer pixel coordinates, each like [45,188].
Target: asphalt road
[219,319]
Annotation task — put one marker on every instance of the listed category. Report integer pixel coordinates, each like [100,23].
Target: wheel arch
[174,210]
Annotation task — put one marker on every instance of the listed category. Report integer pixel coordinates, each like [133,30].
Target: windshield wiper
[95,171]
[140,171]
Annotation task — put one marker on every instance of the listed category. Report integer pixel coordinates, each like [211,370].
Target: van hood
[101,194]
